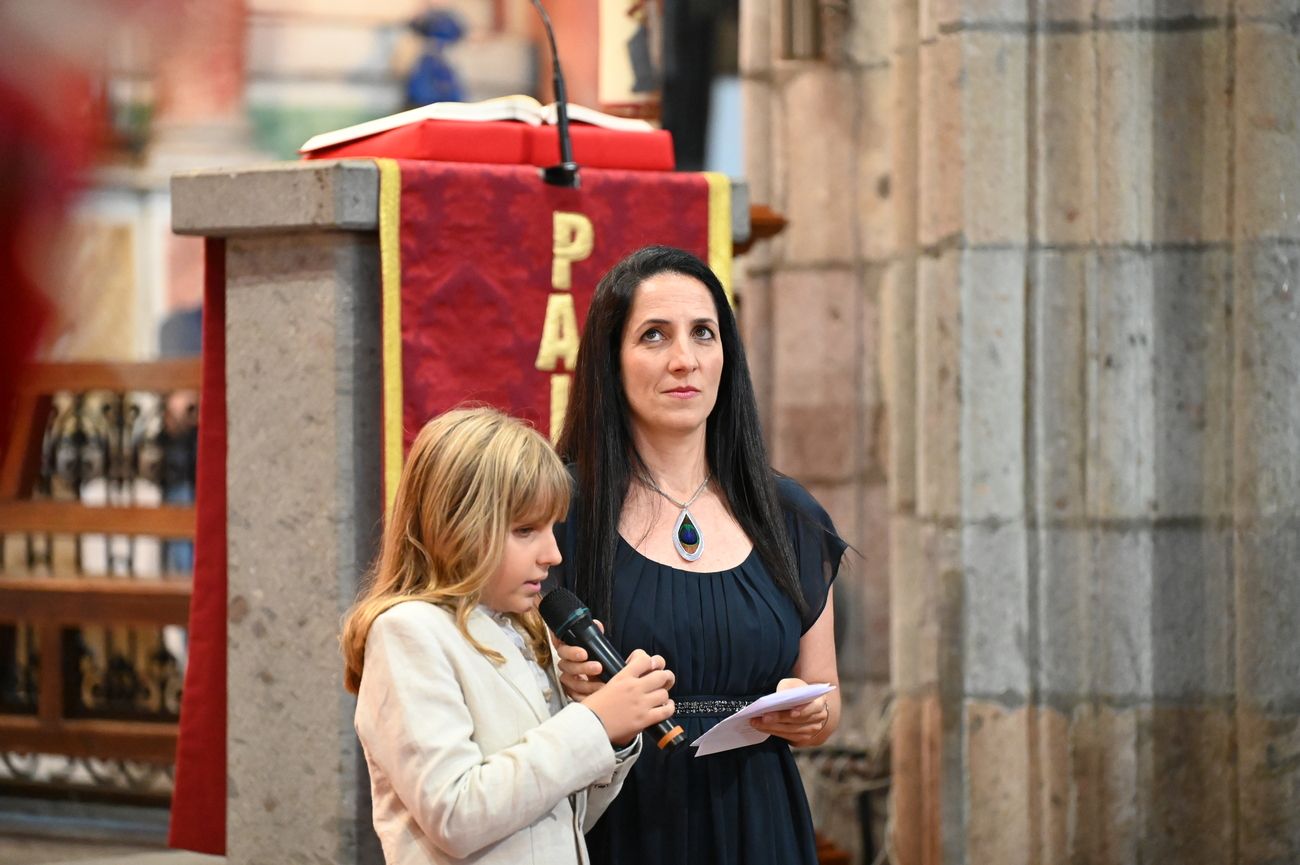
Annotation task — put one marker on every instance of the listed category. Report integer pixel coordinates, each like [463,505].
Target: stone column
[1095,604]
[303,395]
[1089,347]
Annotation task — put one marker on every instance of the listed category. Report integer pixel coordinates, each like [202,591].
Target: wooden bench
[49,604]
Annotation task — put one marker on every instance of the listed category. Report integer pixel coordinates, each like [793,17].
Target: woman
[686,544]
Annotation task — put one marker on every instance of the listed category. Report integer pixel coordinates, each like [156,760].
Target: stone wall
[1053,245]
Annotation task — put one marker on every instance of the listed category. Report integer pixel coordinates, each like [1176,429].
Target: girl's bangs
[541,487]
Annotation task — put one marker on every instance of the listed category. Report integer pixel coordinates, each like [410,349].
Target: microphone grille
[558,606]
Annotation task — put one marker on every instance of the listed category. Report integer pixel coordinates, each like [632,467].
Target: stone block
[817,379]
[1143,784]
[903,129]
[939,387]
[754,313]
[302,334]
[1191,448]
[1189,785]
[957,14]
[908,790]
[1164,125]
[1268,776]
[996,641]
[992,384]
[928,13]
[999,828]
[821,208]
[1148,12]
[1121,388]
[1125,194]
[871,569]
[1277,12]
[1077,12]
[911,625]
[874,222]
[1191,115]
[898,373]
[1160,325]
[993,142]
[971,172]
[1117,783]
[1058,411]
[1266,389]
[868,38]
[1267,623]
[1192,613]
[1064,614]
[759,30]
[945,812]
[1066,140]
[943,582]
[1052,792]
[1121,638]
[871,395]
[940,137]
[758,97]
[1081,752]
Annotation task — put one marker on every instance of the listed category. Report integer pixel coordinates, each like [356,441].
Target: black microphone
[572,623]
[566,172]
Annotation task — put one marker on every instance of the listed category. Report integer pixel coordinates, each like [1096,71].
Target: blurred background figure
[433,79]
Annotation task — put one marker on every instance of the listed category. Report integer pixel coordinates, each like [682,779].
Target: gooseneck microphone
[572,622]
[566,172]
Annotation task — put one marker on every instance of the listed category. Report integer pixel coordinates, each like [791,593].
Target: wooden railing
[49,604]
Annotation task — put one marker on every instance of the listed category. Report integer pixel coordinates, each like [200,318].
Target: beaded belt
[717,707]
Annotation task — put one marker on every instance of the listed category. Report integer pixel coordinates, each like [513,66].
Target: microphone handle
[600,649]
[667,734]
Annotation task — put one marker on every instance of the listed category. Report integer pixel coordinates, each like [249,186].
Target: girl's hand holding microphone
[579,676]
[632,700]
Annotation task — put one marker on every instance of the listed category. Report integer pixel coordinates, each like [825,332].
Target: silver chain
[683,505]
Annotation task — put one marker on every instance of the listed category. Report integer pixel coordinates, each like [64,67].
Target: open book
[517,107]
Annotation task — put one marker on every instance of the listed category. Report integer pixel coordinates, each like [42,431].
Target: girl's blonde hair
[472,475]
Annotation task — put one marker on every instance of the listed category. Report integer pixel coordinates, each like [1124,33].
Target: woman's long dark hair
[597,435]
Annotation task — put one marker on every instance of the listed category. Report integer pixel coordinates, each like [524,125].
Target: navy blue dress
[729,634]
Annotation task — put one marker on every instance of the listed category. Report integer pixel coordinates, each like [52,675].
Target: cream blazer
[466,762]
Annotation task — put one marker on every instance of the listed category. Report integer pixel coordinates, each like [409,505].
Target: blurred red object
[47,138]
[53,57]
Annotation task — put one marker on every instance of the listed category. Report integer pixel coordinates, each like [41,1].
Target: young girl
[474,753]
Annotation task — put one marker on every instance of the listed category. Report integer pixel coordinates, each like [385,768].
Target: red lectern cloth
[508,142]
[198,813]
[468,260]
[470,295]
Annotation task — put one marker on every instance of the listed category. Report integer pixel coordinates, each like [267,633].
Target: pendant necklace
[687,539]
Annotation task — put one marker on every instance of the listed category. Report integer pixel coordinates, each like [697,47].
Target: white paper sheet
[734,731]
